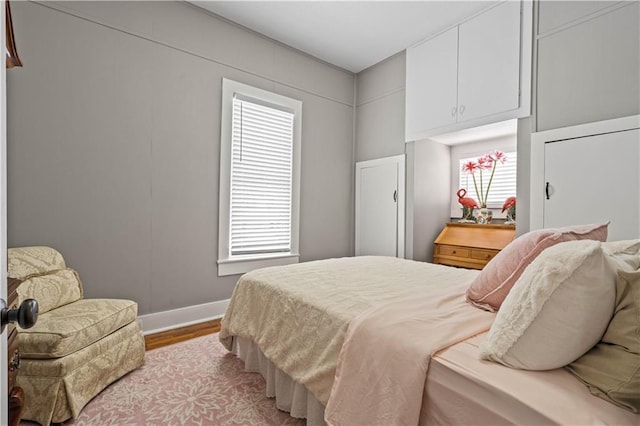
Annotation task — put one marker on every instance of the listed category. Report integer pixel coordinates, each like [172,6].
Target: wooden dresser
[16,394]
[469,245]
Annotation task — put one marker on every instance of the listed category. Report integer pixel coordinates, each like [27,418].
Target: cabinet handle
[546,190]
[462,108]
[453,111]
[395,196]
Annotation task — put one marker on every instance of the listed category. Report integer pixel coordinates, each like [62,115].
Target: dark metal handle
[546,190]
[14,363]
[395,196]
[26,315]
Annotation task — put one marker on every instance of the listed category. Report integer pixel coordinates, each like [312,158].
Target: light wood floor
[153,341]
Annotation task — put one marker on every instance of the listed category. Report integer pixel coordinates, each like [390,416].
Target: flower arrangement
[483,164]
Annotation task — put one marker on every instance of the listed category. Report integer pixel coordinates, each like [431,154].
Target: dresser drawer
[456,251]
[469,245]
[485,255]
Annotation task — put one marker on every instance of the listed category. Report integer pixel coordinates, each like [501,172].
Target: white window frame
[470,150]
[238,264]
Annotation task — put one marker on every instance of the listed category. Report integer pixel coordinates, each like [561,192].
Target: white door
[380,207]
[489,62]
[4,419]
[594,179]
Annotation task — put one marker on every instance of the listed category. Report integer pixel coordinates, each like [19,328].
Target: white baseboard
[181,317]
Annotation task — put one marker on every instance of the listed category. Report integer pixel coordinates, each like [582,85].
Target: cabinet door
[594,179]
[431,86]
[489,62]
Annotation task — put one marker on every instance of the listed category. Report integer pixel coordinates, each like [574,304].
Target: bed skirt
[292,397]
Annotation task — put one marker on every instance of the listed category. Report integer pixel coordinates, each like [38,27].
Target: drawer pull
[14,364]
[453,252]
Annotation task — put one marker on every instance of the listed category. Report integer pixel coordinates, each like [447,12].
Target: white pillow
[558,309]
[624,254]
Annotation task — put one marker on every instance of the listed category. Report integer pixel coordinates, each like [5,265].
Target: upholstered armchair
[78,346]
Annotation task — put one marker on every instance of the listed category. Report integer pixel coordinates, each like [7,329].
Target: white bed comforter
[298,314]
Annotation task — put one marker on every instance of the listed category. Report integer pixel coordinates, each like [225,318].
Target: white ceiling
[352,35]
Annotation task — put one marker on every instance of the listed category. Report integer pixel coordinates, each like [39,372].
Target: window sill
[240,265]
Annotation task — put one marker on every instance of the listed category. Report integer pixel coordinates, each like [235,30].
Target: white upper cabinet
[434,89]
[470,75]
[489,62]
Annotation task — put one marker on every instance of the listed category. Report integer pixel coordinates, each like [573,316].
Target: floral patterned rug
[196,382]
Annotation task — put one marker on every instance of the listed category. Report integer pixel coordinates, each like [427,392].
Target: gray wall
[588,62]
[431,195]
[585,69]
[380,98]
[113,143]
[523,190]
[380,109]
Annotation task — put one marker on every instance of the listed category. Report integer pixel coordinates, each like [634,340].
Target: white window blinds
[502,186]
[261,178]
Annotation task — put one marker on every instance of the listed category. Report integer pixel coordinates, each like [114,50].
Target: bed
[378,340]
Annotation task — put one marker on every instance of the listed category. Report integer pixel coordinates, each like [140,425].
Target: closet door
[594,179]
[380,207]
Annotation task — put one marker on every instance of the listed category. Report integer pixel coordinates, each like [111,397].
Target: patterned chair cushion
[52,290]
[25,262]
[57,389]
[62,367]
[72,327]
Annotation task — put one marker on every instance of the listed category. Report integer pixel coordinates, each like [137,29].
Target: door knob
[25,315]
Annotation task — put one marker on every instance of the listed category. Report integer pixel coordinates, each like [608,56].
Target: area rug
[196,382]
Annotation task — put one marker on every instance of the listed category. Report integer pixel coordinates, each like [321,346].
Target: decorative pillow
[24,262]
[491,286]
[558,310]
[51,290]
[611,370]
[624,254]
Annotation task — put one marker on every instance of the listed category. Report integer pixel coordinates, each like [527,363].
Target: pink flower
[485,162]
[500,157]
[470,167]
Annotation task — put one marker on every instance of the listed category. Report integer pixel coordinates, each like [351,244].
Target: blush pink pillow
[491,287]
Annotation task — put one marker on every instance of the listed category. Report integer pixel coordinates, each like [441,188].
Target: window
[503,184]
[259,179]
[468,145]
